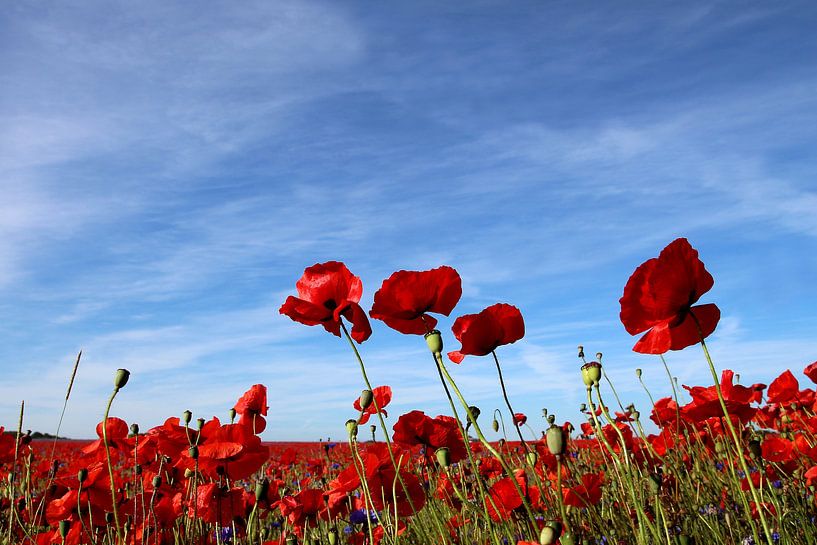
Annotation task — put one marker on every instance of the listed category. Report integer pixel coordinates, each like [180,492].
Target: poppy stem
[508,402]
[110,465]
[379,416]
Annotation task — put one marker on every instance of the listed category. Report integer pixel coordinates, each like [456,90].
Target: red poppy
[811,372]
[382,396]
[252,408]
[481,334]
[705,403]
[519,418]
[783,389]
[406,296]
[327,291]
[659,296]
[776,449]
[586,494]
[415,428]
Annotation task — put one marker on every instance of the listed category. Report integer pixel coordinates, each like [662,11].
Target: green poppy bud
[231,413]
[434,341]
[121,378]
[550,533]
[551,419]
[555,440]
[261,487]
[82,474]
[193,452]
[65,525]
[591,373]
[638,373]
[581,351]
[495,425]
[531,458]
[333,536]
[187,416]
[157,481]
[351,428]
[443,457]
[598,357]
[134,429]
[372,428]
[366,398]
[200,423]
[188,473]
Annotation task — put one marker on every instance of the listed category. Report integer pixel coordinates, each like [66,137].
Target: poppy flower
[783,389]
[519,418]
[481,334]
[382,396]
[586,494]
[406,297]
[659,297]
[252,408]
[811,372]
[327,292]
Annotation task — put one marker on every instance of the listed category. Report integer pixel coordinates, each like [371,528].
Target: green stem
[110,465]
[508,402]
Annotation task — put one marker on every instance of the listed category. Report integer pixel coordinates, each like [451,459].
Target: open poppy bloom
[406,296]
[481,334]
[659,296]
[327,291]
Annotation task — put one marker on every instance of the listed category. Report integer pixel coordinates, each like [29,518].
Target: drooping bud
[434,341]
[591,373]
[65,526]
[372,428]
[351,428]
[495,425]
[443,457]
[550,533]
[366,398]
[555,439]
[187,416]
[82,474]
[581,351]
[121,378]
[598,357]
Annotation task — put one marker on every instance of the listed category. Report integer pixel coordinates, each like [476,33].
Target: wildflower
[482,333]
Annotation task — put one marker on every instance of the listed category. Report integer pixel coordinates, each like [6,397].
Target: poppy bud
[193,452]
[121,378]
[351,428]
[65,525]
[591,373]
[188,473]
[200,423]
[333,536]
[581,351]
[583,407]
[737,378]
[555,440]
[261,489]
[187,416]
[157,481]
[544,413]
[598,357]
[443,457]
[231,413]
[568,538]
[134,429]
[434,341]
[82,474]
[366,398]
[550,533]
[372,428]
[532,457]
[474,412]
[551,419]
[638,372]
[495,425]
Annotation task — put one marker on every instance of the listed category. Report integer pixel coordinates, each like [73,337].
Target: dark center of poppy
[331,304]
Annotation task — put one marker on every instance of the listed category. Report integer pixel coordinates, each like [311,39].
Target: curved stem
[508,402]
[110,466]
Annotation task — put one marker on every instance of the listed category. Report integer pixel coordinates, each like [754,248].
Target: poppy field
[719,463]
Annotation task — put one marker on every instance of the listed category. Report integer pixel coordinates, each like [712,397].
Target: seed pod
[187,416]
[121,378]
[261,488]
[193,452]
[550,533]
[366,398]
[443,457]
[434,341]
[532,458]
[134,429]
[82,474]
[200,423]
[231,413]
[351,428]
[591,373]
[555,440]
[157,481]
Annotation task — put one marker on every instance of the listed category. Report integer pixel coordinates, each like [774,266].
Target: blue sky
[168,170]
